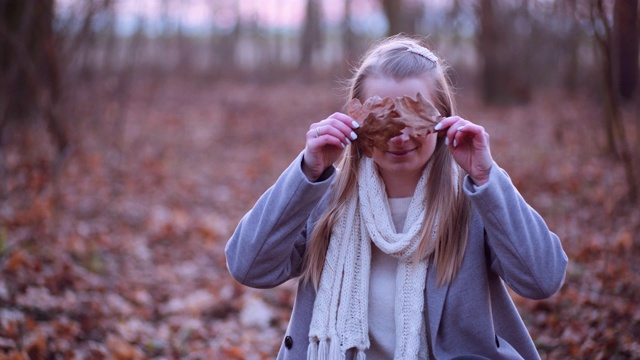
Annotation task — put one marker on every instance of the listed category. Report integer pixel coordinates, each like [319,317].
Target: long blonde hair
[447,205]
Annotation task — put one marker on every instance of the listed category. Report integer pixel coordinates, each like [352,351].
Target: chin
[402,167]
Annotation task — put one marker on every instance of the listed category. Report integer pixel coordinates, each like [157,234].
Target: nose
[402,138]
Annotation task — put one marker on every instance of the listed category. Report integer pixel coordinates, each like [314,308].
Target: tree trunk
[487,42]
[29,74]
[505,71]
[616,134]
[311,35]
[224,47]
[393,13]
[625,46]
[570,43]
[348,38]
[401,17]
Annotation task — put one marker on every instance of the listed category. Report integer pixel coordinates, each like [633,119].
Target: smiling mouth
[400,152]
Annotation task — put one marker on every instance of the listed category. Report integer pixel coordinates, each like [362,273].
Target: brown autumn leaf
[381,119]
[36,345]
[120,349]
[378,122]
[14,355]
[419,114]
[234,352]
[17,261]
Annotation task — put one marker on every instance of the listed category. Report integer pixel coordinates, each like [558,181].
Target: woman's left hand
[469,145]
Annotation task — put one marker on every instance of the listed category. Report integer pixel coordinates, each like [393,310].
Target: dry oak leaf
[120,349]
[381,119]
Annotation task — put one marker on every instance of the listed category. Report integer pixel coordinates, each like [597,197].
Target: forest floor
[117,251]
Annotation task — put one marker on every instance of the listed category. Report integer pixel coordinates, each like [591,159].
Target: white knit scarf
[340,319]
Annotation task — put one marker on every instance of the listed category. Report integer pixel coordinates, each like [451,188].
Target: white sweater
[382,284]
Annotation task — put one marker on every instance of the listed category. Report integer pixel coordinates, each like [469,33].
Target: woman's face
[407,155]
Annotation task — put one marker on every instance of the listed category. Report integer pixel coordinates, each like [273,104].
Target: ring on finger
[317,131]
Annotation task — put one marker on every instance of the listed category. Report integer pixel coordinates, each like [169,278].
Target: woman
[401,251]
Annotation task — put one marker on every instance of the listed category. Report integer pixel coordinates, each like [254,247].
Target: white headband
[422,51]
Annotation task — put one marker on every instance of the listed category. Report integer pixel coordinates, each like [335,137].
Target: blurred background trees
[135,133]
[506,50]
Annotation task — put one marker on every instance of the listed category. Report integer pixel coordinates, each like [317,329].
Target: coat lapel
[434,298]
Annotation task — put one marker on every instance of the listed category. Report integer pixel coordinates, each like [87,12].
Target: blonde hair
[447,205]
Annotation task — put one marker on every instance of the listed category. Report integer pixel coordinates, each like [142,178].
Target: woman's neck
[400,186]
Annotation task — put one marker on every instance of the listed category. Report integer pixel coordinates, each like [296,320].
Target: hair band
[422,51]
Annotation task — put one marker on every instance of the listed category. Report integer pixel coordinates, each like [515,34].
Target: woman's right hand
[325,142]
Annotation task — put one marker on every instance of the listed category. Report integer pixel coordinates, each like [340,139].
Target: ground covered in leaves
[115,250]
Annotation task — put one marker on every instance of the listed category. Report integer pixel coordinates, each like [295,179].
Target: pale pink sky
[266,12]
[201,14]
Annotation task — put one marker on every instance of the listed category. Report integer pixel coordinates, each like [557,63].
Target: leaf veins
[382,119]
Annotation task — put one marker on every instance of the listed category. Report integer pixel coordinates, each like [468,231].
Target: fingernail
[343,145]
[455,143]
[446,141]
[355,124]
[437,127]
[354,135]
[461,127]
[348,141]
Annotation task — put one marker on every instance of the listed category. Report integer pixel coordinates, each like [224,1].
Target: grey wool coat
[474,314]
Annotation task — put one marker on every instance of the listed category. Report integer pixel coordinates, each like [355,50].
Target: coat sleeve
[267,246]
[523,251]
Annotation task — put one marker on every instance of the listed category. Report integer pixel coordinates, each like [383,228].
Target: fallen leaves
[381,119]
[125,259]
